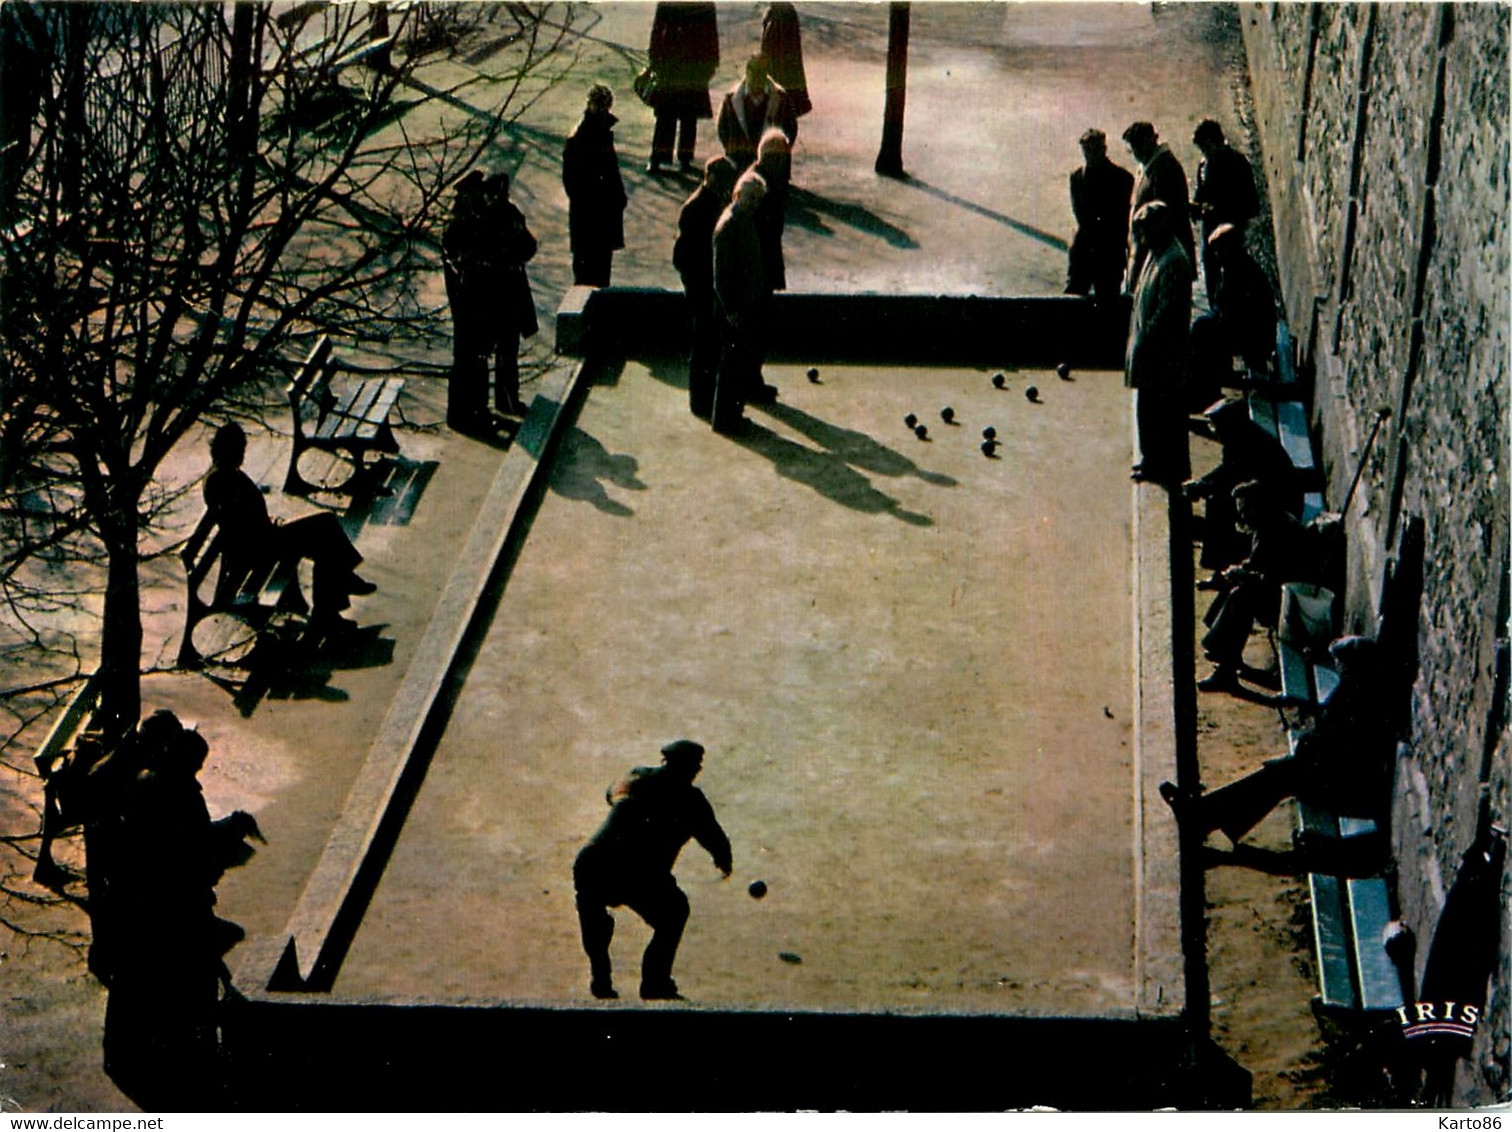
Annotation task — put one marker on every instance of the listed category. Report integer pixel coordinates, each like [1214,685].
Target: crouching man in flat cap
[653,813]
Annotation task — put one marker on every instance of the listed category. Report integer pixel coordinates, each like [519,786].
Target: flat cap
[680,749]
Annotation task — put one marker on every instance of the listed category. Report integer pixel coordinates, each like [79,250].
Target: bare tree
[190,194]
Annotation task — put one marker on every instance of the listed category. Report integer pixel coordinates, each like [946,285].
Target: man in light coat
[1156,361]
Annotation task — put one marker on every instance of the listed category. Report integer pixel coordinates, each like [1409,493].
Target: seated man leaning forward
[1343,763]
[252,537]
[654,811]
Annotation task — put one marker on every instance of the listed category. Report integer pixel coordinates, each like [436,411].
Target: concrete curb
[310,950]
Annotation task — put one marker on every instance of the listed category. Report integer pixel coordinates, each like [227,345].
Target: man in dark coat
[753,106]
[1282,549]
[782,44]
[484,251]
[684,54]
[462,266]
[1225,192]
[1156,361]
[654,812]
[251,537]
[1100,196]
[1250,455]
[1161,178]
[740,292]
[512,246]
[693,256]
[1241,321]
[1344,763]
[595,191]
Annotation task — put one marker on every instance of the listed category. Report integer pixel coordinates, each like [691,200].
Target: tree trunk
[121,630]
[890,156]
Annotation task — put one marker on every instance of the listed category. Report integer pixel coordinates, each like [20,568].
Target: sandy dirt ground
[905,717]
[979,215]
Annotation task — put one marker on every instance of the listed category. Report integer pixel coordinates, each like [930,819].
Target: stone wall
[1385,137]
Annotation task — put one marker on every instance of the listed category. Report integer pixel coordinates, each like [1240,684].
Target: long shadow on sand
[855,448]
[1049,238]
[582,467]
[806,210]
[828,474]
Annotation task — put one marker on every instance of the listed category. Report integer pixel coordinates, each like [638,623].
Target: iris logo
[1424,1018]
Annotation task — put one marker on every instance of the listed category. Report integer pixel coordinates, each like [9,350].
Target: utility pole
[890,156]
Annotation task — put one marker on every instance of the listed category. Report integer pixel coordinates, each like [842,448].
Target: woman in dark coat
[684,54]
[782,44]
[595,192]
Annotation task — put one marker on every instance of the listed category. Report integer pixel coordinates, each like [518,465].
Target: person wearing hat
[1343,763]
[1241,320]
[1156,360]
[1160,178]
[595,191]
[1282,549]
[1100,195]
[1225,192]
[1249,454]
[653,813]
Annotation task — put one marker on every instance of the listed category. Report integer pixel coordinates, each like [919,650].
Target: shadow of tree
[805,210]
[1047,238]
[302,670]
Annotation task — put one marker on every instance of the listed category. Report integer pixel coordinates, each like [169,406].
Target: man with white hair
[740,291]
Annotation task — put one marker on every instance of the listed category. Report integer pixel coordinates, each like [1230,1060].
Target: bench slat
[1263,412]
[1312,506]
[1293,665]
[1291,420]
[1286,366]
[1331,938]
[1370,913]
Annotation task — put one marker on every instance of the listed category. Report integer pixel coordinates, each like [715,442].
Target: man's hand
[725,868]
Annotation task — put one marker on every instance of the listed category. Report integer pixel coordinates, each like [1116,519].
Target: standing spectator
[684,54]
[511,247]
[1100,196]
[774,161]
[1225,191]
[1161,178]
[654,812]
[1156,361]
[595,191]
[750,108]
[693,256]
[1242,318]
[740,293]
[462,265]
[782,44]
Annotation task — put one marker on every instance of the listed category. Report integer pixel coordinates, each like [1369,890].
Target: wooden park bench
[349,418]
[1350,921]
[252,593]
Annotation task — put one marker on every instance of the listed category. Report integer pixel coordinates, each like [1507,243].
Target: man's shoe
[763,394]
[659,990]
[602,988]
[1216,582]
[1222,679]
[361,587]
[654,167]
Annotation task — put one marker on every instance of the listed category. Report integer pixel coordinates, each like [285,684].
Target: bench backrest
[206,547]
[311,383]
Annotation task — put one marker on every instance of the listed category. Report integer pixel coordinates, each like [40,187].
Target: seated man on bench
[1249,453]
[1343,764]
[252,536]
[1282,549]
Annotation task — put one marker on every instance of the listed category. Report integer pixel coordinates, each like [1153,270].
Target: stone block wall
[1384,130]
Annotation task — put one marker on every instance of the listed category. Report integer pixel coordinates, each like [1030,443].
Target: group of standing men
[1134,237]
[743,194]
